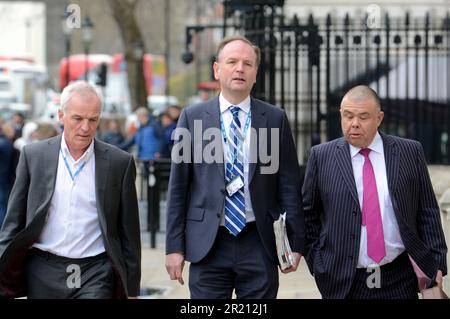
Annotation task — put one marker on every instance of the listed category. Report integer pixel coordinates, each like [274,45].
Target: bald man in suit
[370,209]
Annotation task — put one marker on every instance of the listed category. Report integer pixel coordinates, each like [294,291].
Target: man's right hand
[174,266]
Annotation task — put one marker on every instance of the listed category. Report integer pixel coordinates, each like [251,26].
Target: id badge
[234,185]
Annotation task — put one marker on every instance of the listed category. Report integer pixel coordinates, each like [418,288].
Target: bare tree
[124,15]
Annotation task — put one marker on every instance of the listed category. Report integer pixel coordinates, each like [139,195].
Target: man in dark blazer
[224,259]
[72,225]
[370,209]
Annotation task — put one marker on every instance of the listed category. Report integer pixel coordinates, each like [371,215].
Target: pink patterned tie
[371,214]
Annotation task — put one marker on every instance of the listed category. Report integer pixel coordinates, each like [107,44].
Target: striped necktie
[235,204]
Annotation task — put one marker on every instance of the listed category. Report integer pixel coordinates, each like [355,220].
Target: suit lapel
[392,163]
[259,120]
[101,177]
[52,154]
[345,166]
[49,175]
[212,120]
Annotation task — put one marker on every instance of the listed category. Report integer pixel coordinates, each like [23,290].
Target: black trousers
[54,277]
[235,263]
[397,281]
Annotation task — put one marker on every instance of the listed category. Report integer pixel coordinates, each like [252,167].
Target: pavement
[297,285]
[155,282]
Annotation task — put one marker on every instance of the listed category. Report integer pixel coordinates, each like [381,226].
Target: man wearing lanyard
[220,213]
[72,226]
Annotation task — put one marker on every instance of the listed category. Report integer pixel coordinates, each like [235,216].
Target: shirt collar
[225,105]
[375,146]
[86,155]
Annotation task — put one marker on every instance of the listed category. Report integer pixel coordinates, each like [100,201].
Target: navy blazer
[197,190]
[333,215]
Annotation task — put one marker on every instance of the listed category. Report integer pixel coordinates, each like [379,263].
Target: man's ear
[216,70]
[61,115]
[380,117]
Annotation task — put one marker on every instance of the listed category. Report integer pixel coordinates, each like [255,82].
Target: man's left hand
[439,278]
[297,257]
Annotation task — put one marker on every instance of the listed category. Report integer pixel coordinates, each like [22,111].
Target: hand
[297,257]
[439,279]
[174,266]
[132,297]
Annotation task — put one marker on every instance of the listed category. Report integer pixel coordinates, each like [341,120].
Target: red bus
[116,91]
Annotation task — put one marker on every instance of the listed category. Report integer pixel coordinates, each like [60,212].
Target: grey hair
[79,87]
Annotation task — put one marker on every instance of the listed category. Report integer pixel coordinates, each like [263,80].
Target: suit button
[352,236]
[350,257]
[218,215]
[354,213]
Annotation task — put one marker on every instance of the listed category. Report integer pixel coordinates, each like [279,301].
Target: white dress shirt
[392,239]
[72,229]
[227,117]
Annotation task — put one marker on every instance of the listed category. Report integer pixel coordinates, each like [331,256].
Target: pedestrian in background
[147,138]
[113,135]
[6,171]
[167,128]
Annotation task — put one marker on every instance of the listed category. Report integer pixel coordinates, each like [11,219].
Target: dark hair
[227,40]
[19,114]
[363,92]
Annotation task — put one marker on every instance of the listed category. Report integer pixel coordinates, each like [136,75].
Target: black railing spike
[347,20]
[295,21]
[310,19]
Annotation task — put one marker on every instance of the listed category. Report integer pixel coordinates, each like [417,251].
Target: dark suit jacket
[333,215]
[30,201]
[197,191]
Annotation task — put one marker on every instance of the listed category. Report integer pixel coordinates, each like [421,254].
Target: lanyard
[72,176]
[240,143]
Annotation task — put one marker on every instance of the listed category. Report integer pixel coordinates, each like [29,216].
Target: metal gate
[307,66]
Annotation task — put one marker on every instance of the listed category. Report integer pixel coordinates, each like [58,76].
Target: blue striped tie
[235,204]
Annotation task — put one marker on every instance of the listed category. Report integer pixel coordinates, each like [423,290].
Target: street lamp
[87,39]
[67,30]
[138,53]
